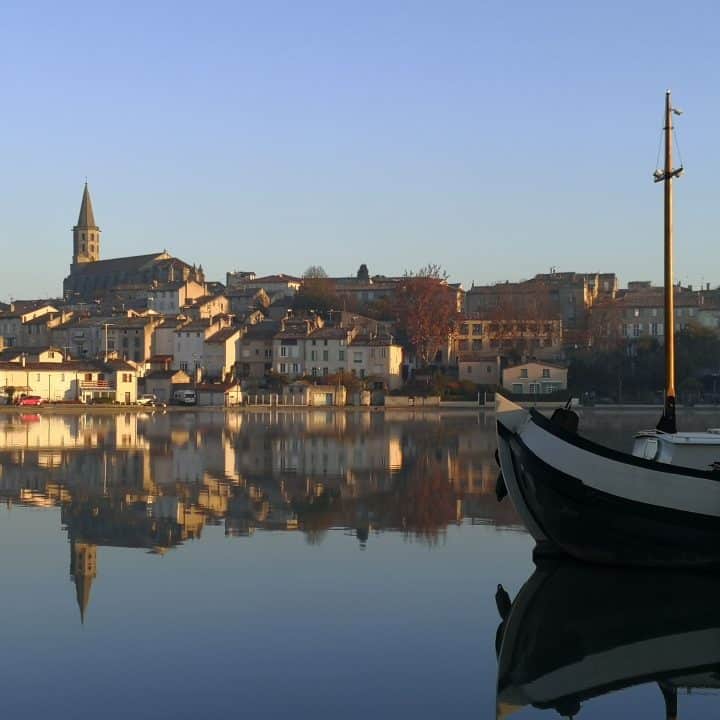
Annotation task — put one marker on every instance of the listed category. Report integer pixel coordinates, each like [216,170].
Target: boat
[575,633]
[656,506]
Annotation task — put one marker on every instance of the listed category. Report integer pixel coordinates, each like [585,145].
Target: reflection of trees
[422,504]
[318,513]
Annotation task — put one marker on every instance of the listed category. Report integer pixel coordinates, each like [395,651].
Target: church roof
[86,217]
[132,264]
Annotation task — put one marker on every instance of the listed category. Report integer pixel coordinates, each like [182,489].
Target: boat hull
[614,509]
[575,632]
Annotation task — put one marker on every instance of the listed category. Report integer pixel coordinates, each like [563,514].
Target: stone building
[91,278]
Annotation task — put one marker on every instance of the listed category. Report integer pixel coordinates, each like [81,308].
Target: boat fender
[500,487]
[503,602]
[566,419]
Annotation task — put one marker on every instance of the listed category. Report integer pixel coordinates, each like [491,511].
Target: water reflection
[574,633]
[153,482]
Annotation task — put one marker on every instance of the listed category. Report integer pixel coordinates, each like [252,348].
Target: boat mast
[667,421]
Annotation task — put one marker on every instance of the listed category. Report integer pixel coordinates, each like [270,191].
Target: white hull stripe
[649,658]
[624,480]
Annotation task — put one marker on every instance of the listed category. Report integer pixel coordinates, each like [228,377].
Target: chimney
[23,360]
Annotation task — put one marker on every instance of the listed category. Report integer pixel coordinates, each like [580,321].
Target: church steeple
[83,569]
[86,234]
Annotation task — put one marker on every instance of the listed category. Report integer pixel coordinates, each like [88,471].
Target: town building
[91,278]
[525,338]
[480,369]
[275,286]
[254,355]
[163,382]
[219,353]
[566,296]
[534,378]
[169,297]
[70,380]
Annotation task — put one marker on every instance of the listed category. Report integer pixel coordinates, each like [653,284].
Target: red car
[30,400]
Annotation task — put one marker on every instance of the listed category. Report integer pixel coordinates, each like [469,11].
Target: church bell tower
[86,234]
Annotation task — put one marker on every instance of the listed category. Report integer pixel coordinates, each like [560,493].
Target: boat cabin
[698,450]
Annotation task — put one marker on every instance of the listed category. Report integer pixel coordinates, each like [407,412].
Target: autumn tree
[427,311]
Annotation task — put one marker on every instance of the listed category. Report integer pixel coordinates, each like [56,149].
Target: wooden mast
[667,421]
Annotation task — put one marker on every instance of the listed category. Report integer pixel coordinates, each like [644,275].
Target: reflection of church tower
[83,569]
[86,234]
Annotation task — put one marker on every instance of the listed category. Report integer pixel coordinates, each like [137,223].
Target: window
[464,329]
[532,388]
[523,373]
[653,328]
[313,353]
[341,354]
[183,366]
[517,388]
[325,371]
[469,369]
[357,357]
[283,368]
[546,373]
[314,372]
[477,329]
[326,355]
[295,368]
[283,351]
[637,328]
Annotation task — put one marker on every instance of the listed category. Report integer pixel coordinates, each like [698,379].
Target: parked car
[150,400]
[33,400]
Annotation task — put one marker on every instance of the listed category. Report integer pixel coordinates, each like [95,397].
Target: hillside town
[153,326]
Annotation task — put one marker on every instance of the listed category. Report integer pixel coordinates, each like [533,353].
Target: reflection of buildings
[154,482]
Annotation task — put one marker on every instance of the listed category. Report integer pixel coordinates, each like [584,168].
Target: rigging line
[677,147]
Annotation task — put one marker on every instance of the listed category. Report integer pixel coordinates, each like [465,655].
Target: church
[91,278]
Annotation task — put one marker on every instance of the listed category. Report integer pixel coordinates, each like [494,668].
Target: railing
[95,385]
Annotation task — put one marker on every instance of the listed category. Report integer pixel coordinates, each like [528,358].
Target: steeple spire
[83,569]
[86,234]
[86,219]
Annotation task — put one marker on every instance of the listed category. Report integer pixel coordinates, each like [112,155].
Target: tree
[315,272]
[427,311]
[317,292]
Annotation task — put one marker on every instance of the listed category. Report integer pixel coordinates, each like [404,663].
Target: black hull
[598,527]
[577,632]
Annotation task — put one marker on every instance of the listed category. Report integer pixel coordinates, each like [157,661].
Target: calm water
[320,564]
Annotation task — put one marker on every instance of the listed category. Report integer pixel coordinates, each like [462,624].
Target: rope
[677,147]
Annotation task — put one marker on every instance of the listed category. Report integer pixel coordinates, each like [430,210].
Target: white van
[184,397]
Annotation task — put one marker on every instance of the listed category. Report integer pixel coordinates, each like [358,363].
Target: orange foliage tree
[427,311]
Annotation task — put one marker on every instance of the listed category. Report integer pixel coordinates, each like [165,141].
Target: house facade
[534,378]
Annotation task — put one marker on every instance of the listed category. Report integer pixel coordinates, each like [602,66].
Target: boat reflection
[574,633]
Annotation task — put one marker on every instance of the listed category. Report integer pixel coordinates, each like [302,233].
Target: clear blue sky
[495,138]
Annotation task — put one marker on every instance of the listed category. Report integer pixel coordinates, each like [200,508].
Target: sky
[497,139]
